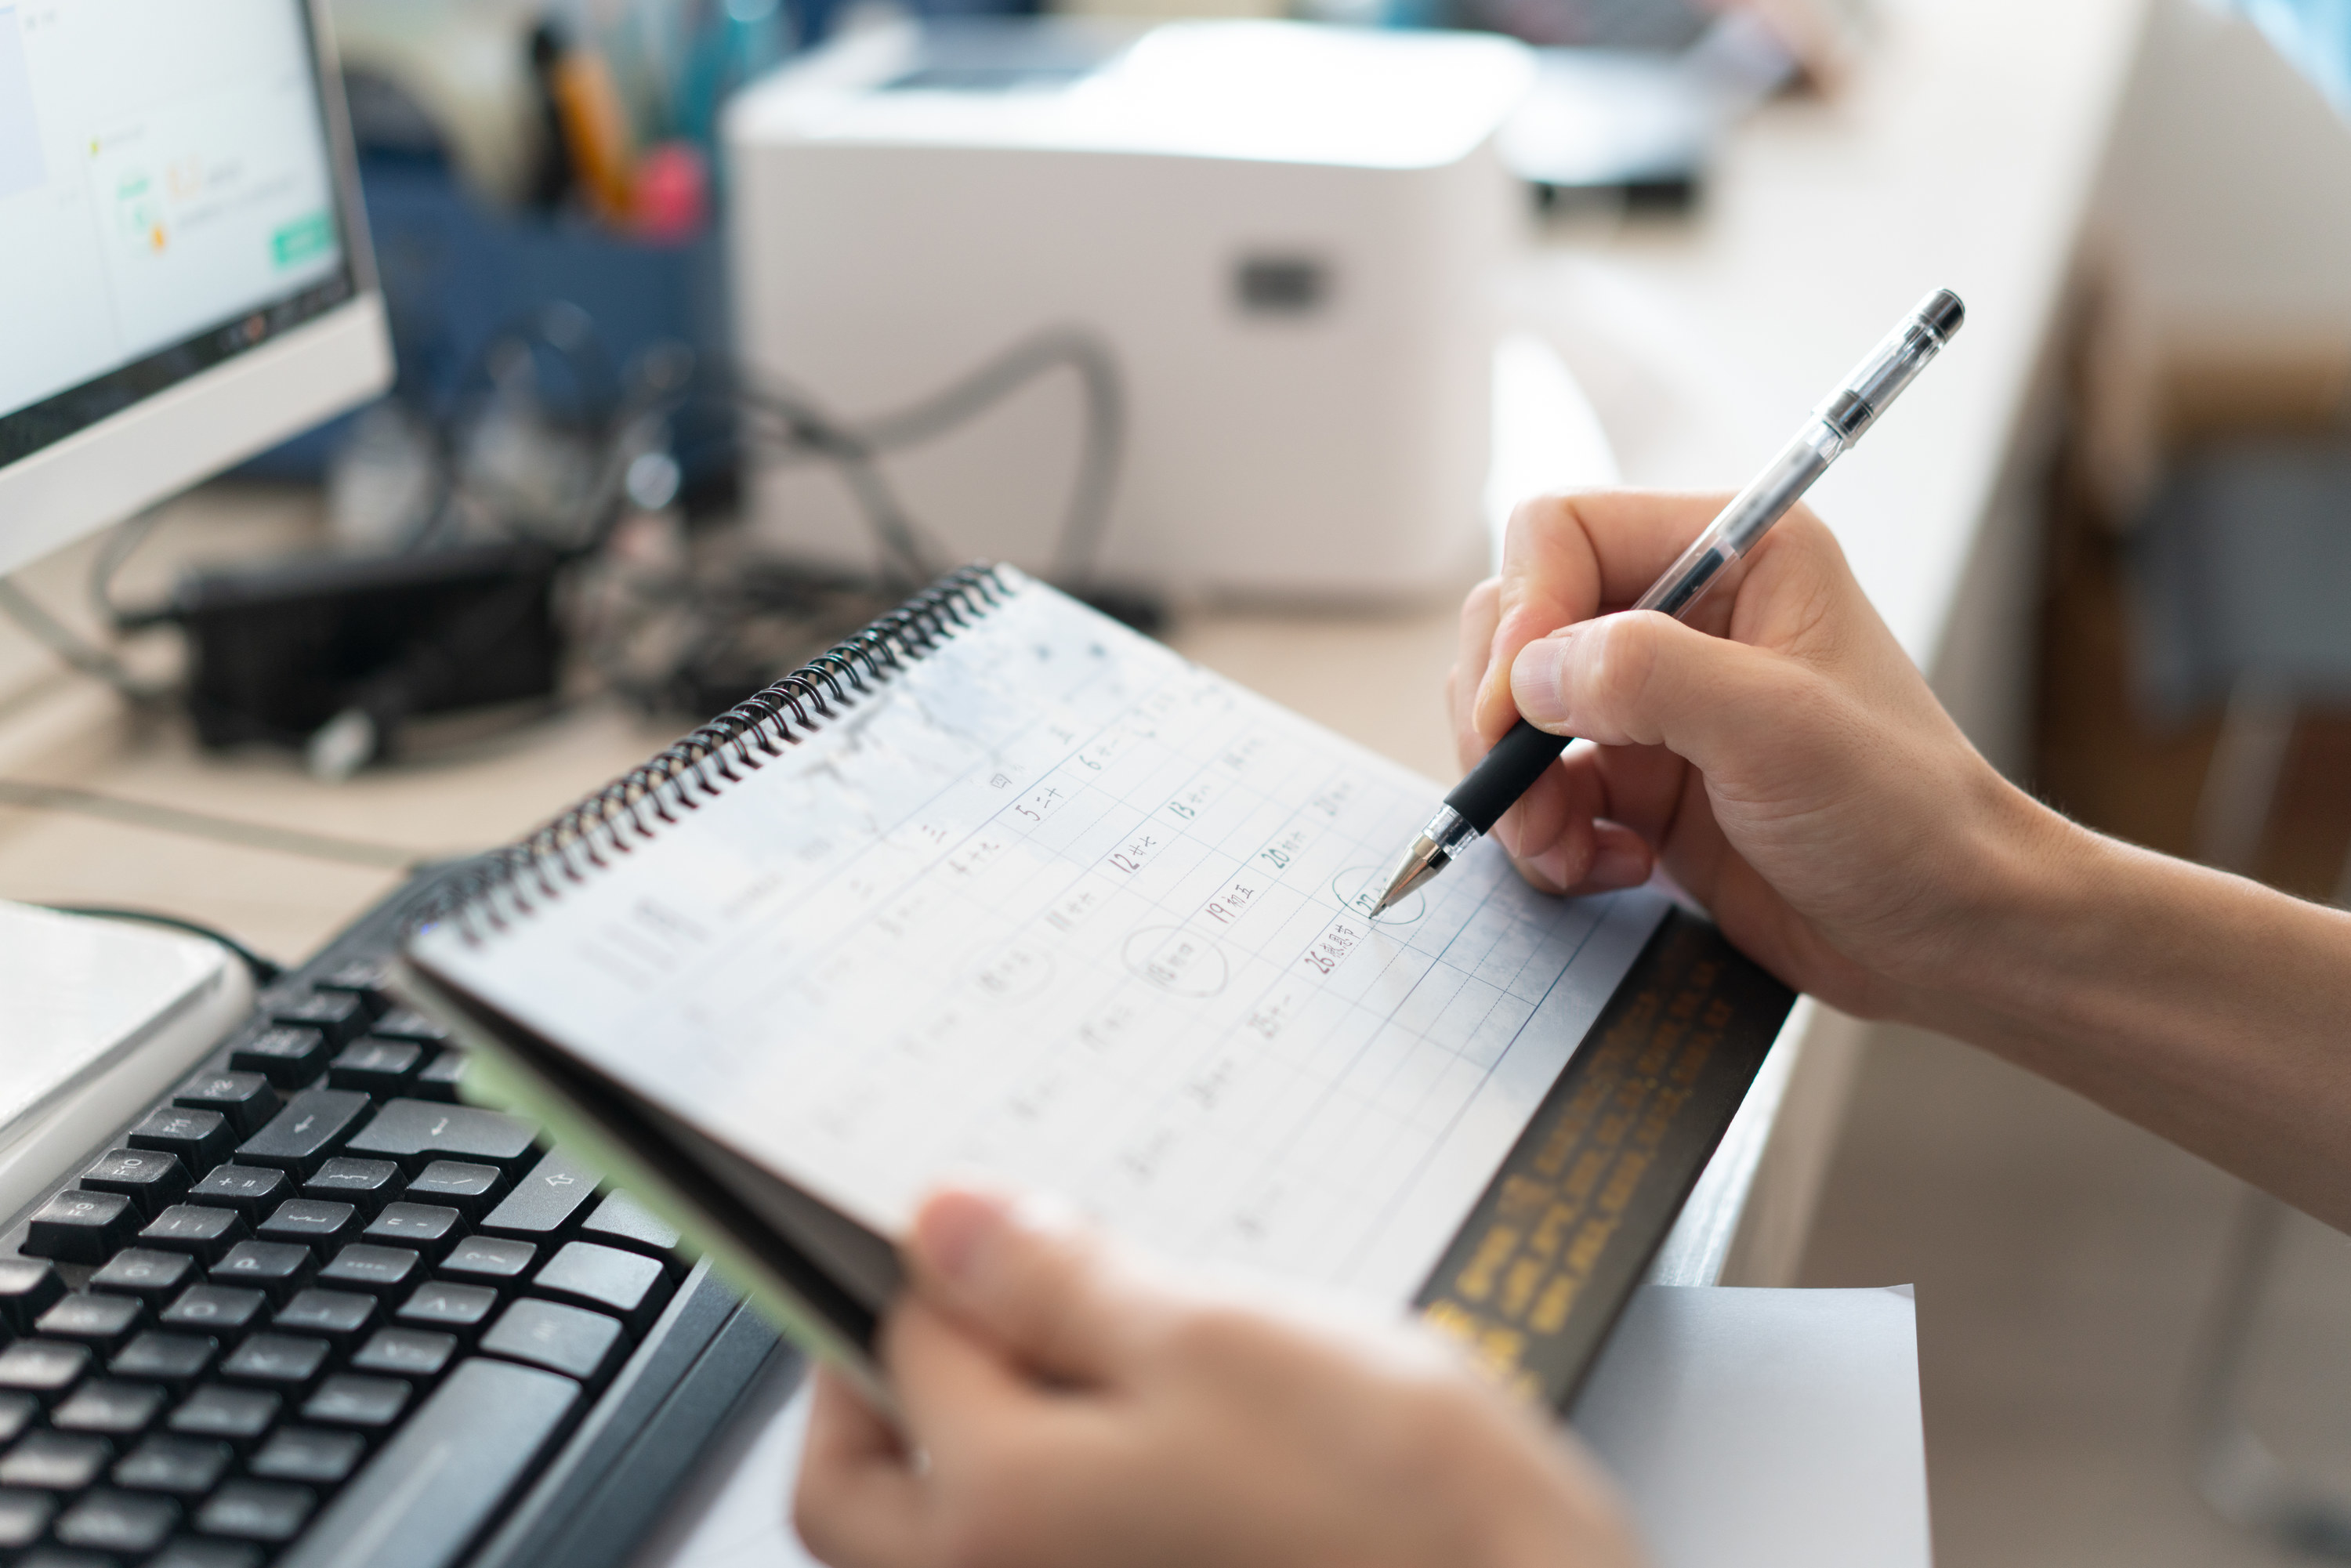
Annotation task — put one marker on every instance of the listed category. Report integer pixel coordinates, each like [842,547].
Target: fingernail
[1543,870]
[1618,864]
[1539,680]
[954,1230]
[1505,831]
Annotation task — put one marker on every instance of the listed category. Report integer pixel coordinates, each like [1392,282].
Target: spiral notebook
[1002,885]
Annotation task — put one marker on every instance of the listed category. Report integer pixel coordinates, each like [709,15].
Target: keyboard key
[546,1204]
[251,1191]
[246,1099]
[439,1078]
[418,1355]
[63,1557]
[99,1321]
[52,1555]
[363,978]
[444,1473]
[23,1516]
[54,1462]
[215,1310]
[144,1272]
[109,1520]
[80,1227]
[366,1185]
[276,1269]
[408,1024]
[175,1359]
[340,1017]
[201,1138]
[424,1227]
[378,1270]
[205,1234]
[631,1287]
[256,1511]
[308,1454]
[17,1411]
[187,1553]
[152,1180]
[567,1340]
[417,1132]
[340,1316]
[495,1260]
[288,1058]
[110,1410]
[305,1131]
[234,1416]
[470,1189]
[27,1287]
[311,1222]
[43,1368]
[378,1067]
[621,1221]
[370,1403]
[276,1361]
[185,1467]
[460,1310]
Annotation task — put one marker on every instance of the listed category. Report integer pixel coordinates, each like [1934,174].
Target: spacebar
[420,1501]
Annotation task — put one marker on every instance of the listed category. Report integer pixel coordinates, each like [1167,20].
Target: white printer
[1286,234]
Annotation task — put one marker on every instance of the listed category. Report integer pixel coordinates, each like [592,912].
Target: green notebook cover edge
[501,1076]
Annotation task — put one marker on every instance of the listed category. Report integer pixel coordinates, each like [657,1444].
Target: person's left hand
[1067,1407]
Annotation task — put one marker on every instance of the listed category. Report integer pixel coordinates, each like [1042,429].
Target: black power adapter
[335,653]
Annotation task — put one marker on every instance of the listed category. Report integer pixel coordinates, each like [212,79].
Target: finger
[1028,1274]
[1621,858]
[1480,613]
[961,1392]
[1639,786]
[1644,679]
[1551,827]
[845,1431]
[1567,558]
[1586,851]
[857,1504]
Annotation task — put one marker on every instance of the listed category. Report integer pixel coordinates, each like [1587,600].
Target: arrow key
[547,1204]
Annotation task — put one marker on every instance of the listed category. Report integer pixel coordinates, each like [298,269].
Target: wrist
[2024,889]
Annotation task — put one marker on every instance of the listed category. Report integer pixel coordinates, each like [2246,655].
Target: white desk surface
[1965,155]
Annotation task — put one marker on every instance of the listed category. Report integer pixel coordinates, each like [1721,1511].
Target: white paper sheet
[1766,1428]
[1059,904]
[1748,1429]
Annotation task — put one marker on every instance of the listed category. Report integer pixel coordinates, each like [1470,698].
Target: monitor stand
[99,1017]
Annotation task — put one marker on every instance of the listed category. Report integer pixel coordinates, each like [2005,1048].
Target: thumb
[1641,678]
[1027,1273]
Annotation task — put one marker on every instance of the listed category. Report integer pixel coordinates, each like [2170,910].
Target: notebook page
[1056,904]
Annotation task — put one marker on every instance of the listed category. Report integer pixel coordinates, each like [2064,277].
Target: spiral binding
[613,821]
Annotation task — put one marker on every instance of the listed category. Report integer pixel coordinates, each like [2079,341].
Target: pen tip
[1417,865]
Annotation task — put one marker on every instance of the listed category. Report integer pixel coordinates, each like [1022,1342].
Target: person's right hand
[1781,755]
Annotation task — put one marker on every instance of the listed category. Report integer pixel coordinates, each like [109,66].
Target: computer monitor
[185,277]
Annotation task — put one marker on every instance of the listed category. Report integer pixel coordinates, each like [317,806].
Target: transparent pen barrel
[1749,514]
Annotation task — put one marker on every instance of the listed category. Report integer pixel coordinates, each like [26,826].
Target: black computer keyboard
[309,1310]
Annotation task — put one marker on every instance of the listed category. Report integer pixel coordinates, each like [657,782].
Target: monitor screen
[167,199]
